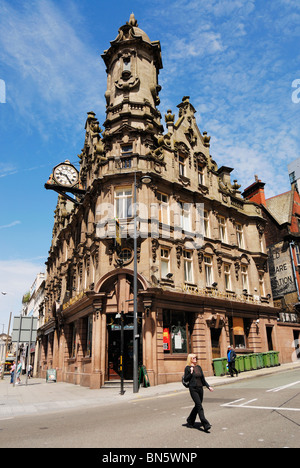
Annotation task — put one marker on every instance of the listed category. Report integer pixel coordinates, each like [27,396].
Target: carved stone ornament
[125,84]
[155,245]
[237,267]
[219,263]
[178,255]
[200,260]
[199,158]
[260,228]
[169,117]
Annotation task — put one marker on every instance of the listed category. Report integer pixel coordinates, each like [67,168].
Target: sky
[238,60]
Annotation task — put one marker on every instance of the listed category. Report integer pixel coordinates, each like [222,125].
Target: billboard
[281,269]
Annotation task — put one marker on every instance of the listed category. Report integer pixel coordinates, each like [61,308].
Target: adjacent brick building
[282,233]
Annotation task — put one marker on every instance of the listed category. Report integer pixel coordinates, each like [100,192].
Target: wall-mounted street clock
[66,174]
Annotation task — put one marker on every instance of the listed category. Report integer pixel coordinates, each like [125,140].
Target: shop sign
[74,300]
[118,327]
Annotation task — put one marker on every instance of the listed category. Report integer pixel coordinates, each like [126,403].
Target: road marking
[235,401]
[141,398]
[283,387]
[246,405]
[247,402]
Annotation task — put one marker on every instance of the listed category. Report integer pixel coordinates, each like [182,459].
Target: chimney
[256,192]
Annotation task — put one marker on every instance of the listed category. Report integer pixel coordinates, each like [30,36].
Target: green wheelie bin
[260,360]
[240,366]
[247,362]
[219,367]
[266,358]
[253,361]
[276,358]
[272,359]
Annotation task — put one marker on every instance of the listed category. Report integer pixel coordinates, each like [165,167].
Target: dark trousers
[232,369]
[197,396]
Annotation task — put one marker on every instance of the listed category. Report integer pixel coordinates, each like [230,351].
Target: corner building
[202,271]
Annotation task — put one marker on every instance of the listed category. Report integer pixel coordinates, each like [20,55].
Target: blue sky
[236,59]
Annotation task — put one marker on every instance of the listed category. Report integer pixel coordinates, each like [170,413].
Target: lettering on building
[281,269]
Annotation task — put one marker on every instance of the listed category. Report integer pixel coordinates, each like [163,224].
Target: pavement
[41,397]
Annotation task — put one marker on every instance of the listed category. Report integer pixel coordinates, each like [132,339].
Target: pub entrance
[114,349]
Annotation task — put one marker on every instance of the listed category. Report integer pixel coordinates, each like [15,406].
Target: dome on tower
[137,31]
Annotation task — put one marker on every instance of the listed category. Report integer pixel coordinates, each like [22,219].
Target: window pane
[208,274]
[89,337]
[175,325]
[123,199]
[188,271]
[164,268]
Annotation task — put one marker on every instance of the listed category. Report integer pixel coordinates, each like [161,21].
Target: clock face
[66,174]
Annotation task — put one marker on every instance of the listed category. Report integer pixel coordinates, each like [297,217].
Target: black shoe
[207,427]
[190,425]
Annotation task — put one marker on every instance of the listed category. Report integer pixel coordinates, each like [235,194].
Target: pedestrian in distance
[12,372]
[29,371]
[19,370]
[194,375]
[231,357]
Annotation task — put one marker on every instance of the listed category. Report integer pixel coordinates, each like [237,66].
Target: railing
[232,296]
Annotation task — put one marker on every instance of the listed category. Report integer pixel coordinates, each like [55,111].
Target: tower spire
[133,21]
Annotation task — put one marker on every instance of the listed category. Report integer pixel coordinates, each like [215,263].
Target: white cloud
[16,278]
[7,226]
[54,69]
[7,169]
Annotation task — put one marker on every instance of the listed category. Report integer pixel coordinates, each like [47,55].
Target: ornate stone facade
[203,279]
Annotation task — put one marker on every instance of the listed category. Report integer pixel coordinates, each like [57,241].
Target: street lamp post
[144,180]
[121,317]
[6,344]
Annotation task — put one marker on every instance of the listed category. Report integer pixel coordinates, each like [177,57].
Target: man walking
[231,357]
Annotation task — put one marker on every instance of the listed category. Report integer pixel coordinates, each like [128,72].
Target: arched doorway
[118,289]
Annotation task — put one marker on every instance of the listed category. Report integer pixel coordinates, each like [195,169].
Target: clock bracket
[63,191]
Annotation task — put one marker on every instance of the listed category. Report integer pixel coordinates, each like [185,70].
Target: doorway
[215,342]
[269,338]
[296,334]
[114,351]
[114,347]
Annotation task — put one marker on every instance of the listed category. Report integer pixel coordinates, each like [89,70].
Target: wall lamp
[146,179]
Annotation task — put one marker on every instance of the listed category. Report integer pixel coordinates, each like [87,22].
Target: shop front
[84,340]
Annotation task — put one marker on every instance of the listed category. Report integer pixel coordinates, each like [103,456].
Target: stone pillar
[61,360]
[149,345]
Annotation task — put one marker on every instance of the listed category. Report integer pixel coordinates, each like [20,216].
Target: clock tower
[132,65]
